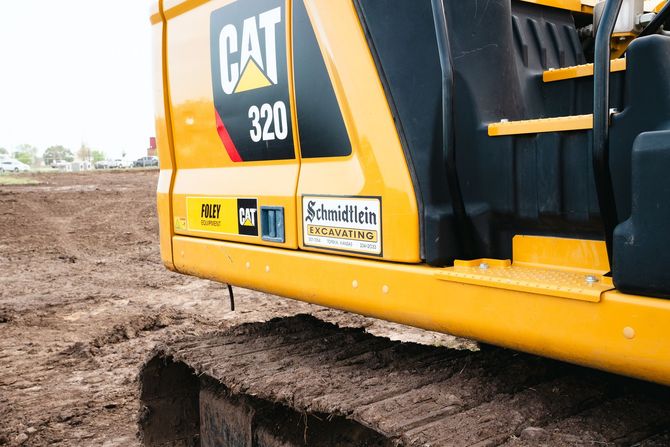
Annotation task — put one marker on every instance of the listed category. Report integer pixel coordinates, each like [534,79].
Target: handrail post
[657,22]
[448,134]
[601,122]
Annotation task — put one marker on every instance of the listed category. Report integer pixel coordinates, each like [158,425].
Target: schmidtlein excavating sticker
[351,224]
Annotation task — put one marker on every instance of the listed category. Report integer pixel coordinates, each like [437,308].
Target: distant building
[151,150]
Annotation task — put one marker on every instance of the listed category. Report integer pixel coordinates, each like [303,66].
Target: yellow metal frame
[164,143]
[377,165]
[202,166]
[585,6]
[552,299]
[619,333]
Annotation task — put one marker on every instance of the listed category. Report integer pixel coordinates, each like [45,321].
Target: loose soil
[404,393]
[84,299]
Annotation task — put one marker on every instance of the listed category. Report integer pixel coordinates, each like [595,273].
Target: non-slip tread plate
[579,71]
[541,125]
[561,283]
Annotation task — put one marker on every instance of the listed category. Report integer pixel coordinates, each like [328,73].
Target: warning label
[224,215]
[343,223]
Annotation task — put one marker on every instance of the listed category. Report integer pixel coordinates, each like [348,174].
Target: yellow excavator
[496,170]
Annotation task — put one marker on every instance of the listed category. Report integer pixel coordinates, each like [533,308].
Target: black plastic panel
[320,124]
[641,243]
[540,184]
[647,109]
[402,39]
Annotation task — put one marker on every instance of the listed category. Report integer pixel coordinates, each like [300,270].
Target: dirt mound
[412,394]
[132,329]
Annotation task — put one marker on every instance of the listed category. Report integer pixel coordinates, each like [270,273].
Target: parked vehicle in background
[78,166]
[146,162]
[60,164]
[13,165]
[124,164]
[103,164]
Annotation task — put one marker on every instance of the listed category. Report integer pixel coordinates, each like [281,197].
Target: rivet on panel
[385,289]
[248,265]
[354,284]
[267,269]
[629,332]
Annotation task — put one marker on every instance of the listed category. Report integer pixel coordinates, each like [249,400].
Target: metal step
[542,125]
[579,71]
[502,274]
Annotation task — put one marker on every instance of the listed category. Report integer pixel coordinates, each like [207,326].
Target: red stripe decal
[225,138]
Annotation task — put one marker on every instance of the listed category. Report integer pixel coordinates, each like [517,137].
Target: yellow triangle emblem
[247,223]
[252,78]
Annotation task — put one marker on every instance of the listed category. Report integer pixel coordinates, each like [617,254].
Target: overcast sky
[76,70]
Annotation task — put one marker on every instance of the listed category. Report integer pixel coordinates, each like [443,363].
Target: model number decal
[274,119]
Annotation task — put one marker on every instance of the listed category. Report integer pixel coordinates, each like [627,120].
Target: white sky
[76,70]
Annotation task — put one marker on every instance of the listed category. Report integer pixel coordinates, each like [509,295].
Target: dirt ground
[84,298]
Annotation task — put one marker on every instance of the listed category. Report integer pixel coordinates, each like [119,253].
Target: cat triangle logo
[248,52]
[247,223]
[251,79]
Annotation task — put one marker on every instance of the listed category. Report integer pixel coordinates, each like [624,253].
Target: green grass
[9,179]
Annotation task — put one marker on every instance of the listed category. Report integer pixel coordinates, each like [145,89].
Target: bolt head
[591,279]
[629,332]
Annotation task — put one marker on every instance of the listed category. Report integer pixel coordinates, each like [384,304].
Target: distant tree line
[29,154]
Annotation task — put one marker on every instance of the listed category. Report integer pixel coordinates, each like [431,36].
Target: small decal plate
[222,215]
[350,224]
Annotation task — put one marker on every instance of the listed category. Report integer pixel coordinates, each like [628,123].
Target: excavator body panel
[431,163]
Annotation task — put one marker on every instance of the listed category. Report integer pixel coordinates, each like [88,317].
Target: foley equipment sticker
[351,224]
[222,215]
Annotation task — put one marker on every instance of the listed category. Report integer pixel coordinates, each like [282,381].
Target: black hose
[231,295]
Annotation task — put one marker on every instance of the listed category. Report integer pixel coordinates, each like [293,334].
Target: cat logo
[247,215]
[244,64]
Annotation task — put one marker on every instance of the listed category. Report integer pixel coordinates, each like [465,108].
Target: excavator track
[300,381]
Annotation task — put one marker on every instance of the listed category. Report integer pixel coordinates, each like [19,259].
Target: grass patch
[8,180]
